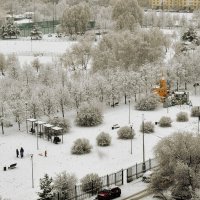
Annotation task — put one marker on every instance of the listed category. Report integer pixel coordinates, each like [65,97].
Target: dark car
[107,194]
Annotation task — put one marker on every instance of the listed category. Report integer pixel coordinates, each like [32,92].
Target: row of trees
[50,89]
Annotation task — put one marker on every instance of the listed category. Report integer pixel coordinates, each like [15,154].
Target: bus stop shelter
[40,127]
[48,131]
[32,121]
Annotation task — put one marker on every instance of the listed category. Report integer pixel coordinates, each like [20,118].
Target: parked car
[107,194]
[147,176]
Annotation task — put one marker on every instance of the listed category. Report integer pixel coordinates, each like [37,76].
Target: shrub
[65,183]
[148,103]
[91,183]
[195,112]
[125,132]
[7,123]
[182,117]
[103,139]
[89,116]
[165,122]
[61,122]
[148,127]
[81,146]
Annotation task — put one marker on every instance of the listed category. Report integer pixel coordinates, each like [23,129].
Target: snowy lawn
[17,184]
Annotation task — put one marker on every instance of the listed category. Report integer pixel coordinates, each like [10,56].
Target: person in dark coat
[22,152]
[17,153]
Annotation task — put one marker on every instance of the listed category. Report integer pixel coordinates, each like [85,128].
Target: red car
[107,194]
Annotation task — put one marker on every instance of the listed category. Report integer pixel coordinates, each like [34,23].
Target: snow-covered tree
[75,18]
[13,65]
[62,98]
[64,183]
[46,188]
[178,157]
[2,63]
[10,30]
[127,14]
[91,183]
[35,33]
[36,64]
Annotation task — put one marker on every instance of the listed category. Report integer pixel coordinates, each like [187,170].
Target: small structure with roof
[32,121]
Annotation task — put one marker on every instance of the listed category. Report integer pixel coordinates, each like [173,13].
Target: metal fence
[118,179]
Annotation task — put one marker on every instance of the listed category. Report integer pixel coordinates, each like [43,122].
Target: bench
[115,126]
[115,104]
[12,166]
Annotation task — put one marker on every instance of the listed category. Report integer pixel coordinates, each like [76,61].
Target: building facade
[175,4]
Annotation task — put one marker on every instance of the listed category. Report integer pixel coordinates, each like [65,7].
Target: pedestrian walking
[17,153]
[45,153]
[22,152]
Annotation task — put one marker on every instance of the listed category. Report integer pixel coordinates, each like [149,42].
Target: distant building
[175,4]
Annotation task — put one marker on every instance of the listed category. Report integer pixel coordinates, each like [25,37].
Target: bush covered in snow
[103,139]
[64,183]
[125,132]
[89,115]
[148,127]
[195,112]
[81,146]
[7,123]
[91,183]
[165,121]
[182,117]
[60,122]
[147,103]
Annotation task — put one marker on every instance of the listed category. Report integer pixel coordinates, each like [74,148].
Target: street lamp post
[198,118]
[1,119]
[26,118]
[37,135]
[143,163]
[131,139]
[32,170]
[129,115]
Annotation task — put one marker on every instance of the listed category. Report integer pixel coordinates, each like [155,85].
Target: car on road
[147,176]
[107,194]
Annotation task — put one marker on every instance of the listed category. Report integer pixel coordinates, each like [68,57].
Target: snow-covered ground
[45,49]
[17,184]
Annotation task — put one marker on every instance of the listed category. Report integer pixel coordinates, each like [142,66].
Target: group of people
[21,152]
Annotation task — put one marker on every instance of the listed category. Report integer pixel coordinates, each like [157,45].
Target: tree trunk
[2,127]
[63,112]
[19,125]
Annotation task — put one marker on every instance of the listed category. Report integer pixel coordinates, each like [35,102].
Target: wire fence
[79,192]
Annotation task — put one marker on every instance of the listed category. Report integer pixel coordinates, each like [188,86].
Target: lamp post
[37,134]
[129,111]
[131,139]
[32,170]
[198,117]
[1,119]
[26,117]
[143,163]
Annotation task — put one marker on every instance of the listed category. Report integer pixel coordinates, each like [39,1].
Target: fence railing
[118,179]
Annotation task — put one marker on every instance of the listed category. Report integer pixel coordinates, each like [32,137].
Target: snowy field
[16,184]
[26,49]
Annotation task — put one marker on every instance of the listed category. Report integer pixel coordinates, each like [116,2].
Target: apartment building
[175,4]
